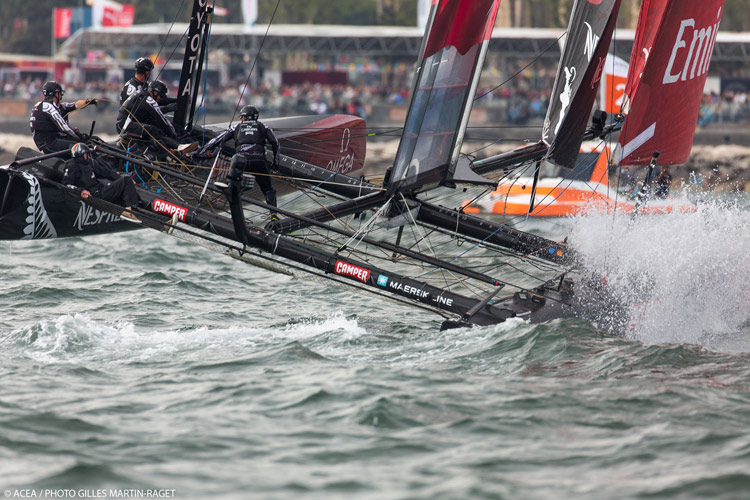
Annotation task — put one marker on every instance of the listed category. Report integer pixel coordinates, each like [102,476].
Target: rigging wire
[552,44]
[163,43]
[255,60]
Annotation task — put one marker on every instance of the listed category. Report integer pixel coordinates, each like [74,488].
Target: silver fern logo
[38,224]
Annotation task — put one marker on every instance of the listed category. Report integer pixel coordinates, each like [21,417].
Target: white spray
[686,276]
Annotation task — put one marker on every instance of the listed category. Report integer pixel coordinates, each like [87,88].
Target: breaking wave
[80,338]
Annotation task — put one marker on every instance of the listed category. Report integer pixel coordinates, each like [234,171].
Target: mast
[192,63]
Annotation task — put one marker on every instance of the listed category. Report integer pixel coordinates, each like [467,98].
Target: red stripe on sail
[456,23]
[667,100]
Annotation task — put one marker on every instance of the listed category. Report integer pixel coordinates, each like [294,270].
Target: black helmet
[143,64]
[79,149]
[159,87]
[250,112]
[51,88]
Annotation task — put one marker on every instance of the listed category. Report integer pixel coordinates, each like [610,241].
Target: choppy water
[135,363]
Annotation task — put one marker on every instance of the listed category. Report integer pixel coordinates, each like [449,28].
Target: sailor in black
[93,178]
[143,68]
[141,112]
[250,138]
[49,120]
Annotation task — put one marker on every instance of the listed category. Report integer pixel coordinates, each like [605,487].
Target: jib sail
[445,84]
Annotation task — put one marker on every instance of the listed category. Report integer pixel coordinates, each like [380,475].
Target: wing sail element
[579,73]
[192,65]
[667,80]
[649,19]
[445,84]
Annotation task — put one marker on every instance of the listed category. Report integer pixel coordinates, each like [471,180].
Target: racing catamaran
[398,239]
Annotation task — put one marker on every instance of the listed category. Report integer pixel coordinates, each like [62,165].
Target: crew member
[141,112]
[49,120]
[143,68]
[93,178]
[663,182]
[250,138]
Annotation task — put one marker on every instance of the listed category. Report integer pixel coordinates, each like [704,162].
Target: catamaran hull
[32,209]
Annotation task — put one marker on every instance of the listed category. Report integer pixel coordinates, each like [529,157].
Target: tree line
[27,26]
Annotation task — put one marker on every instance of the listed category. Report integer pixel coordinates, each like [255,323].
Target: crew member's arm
[274,142]
[168,108]
[58,119]
[104,171]
[215,141]
[159,119]
[82,103]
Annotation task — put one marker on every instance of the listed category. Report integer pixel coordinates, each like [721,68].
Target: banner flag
[63,18]
[249,12]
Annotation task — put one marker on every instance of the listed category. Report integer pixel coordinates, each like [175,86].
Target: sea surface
[135,365]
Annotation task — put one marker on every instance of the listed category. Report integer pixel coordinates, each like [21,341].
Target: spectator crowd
[519,104]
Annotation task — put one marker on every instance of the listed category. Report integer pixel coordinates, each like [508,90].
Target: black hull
[33,209]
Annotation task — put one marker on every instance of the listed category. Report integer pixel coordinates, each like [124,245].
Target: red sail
[664,108]
[456,24]
[649,19]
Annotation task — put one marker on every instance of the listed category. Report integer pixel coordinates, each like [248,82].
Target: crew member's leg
[259,167]
[59,144]
[236,168]
[121,191]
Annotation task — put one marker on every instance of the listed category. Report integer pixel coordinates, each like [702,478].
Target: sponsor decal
[345,162]
[565,96]
[89,216]
[409,290]
[414,292]
[592,40]
[38,223]
[164,207]
[443,300]
[699,51]
[356,272]
[382,280]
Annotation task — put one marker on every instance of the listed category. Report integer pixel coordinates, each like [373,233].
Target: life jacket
[250,138]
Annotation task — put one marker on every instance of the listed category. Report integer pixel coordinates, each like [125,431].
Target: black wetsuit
[133,86]
[250,138]
[101,181]
[140,111]
[663,183]
[49,126]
